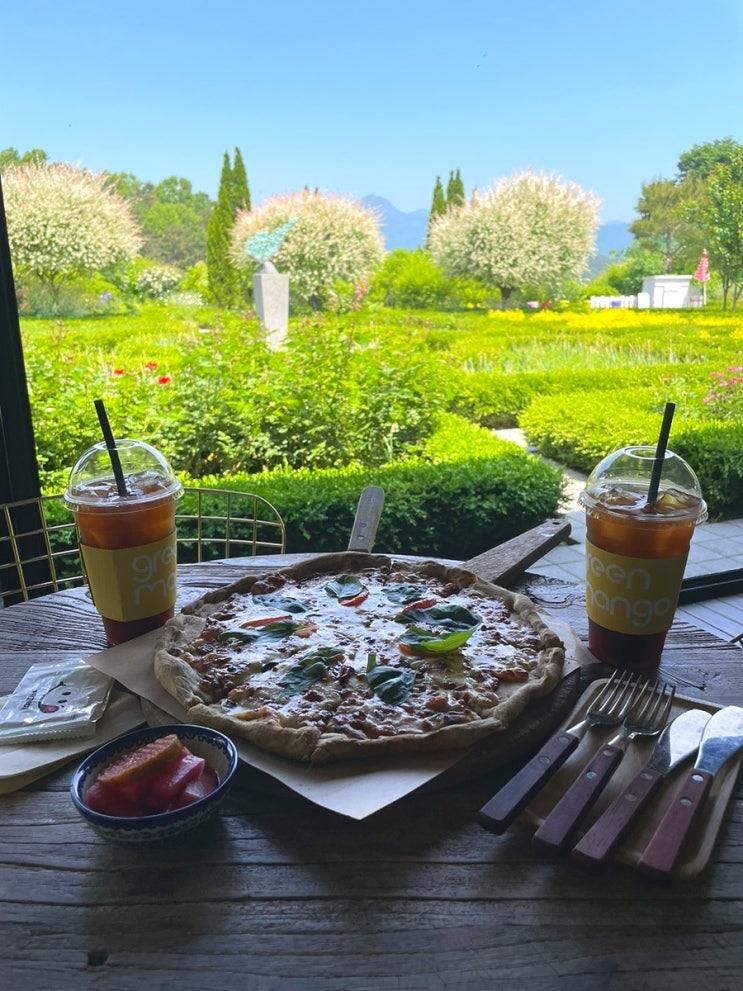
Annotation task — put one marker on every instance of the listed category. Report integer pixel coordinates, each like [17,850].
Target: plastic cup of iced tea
[127,542]
[636,553]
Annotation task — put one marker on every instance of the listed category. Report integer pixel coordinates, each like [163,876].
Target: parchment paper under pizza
[355,655]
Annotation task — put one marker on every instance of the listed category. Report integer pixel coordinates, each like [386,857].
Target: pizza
[356,655]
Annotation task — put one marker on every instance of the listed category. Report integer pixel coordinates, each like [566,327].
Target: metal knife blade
[679,740]
[722,737]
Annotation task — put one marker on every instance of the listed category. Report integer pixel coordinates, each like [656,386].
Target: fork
[645,714]
[607,709]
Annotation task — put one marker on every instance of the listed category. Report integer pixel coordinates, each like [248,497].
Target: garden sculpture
[261,247]
[271,288]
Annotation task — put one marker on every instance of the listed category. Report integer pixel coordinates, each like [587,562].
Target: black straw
[111,447]
[660,452]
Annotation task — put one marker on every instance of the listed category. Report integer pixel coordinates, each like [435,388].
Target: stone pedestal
[271,297]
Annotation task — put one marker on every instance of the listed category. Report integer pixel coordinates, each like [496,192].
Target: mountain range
[408,230]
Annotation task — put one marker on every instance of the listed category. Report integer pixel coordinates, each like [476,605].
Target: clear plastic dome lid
[621,481]
[147,475]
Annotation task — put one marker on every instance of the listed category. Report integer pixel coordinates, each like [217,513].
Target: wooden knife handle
[498,814]
[609,830]
[555,832]
[663,850]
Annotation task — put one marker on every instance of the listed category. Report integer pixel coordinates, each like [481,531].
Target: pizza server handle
[498,814]
[605,835]
[663,850]
[366,522]
[557,829]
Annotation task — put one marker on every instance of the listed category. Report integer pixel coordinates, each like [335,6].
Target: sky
[374,97]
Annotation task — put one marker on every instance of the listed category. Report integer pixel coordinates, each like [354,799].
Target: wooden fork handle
[609,830]
[498,814]
[555,832]
[663,850]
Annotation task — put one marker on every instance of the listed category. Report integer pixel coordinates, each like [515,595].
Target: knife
[678,741]
[722,739]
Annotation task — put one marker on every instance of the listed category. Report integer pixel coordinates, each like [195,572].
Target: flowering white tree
[530,231]
[64,221]
[334,240]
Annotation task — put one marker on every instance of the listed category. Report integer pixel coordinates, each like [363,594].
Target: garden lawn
[362,394]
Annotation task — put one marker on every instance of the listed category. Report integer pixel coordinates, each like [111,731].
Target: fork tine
[617,695]
[641,708]
[604,691]
[659,695]
[609,691]
[625,688]
[638,686]
[669,702]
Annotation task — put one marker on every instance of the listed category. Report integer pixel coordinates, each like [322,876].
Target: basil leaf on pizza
[237,659]
[344,587]
[283,602]
[273,631]
[308,670]
[391,685]
[450,617]
[404,593]
[421,641]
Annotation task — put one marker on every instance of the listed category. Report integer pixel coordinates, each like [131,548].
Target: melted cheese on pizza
[299,656]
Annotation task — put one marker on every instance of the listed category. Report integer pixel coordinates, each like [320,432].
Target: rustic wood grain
[279,895]
[503,564]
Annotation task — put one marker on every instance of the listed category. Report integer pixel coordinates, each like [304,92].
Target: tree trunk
[669,252]
[505,294]
[725,290]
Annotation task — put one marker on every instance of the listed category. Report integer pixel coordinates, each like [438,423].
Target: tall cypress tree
[224,286]
[240,188]
[454,190]
[438,204]
[451,190]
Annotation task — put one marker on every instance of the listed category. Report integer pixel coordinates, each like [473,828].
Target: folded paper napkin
[22,763]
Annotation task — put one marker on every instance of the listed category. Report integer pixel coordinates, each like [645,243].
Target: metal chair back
[39,550]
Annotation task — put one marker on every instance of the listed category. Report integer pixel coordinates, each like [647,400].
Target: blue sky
[374,97]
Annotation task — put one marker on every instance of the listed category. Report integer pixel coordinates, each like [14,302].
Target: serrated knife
[721,740]
[678,741]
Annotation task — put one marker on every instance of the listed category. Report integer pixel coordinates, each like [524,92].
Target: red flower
[151,366]
[118,372]
[163,380]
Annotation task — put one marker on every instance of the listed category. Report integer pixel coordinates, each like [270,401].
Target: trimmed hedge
[715,451]
[495,399]
[468,492]
[579,430]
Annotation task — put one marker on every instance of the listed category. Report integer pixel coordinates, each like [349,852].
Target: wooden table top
[280,894]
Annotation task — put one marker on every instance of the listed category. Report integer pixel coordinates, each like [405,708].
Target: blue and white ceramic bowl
[217,750]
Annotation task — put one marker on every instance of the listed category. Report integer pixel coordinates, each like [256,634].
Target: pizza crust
[309,743]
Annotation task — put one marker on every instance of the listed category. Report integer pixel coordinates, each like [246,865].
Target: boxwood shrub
[468,491]
[495,399]
[579,430]
[715,451]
